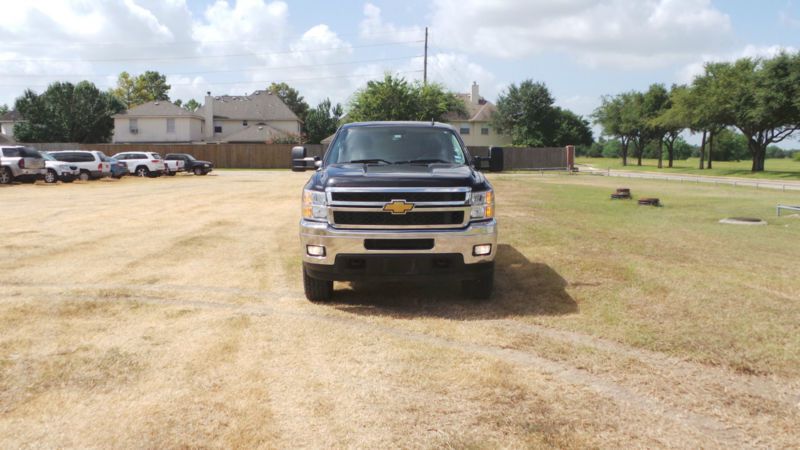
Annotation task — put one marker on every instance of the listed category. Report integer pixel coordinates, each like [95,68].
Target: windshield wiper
[368,161]
[423,161]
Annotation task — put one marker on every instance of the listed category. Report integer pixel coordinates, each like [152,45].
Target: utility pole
[425,64]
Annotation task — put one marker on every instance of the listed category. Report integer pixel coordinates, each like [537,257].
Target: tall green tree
[394,98]
[67,113]
[760,98]
[191,105]
[619,117]
[655,102]
[322,121]
[291,97]
[147,87]
[3,109]
[527,114]
[672,120]
[571,129]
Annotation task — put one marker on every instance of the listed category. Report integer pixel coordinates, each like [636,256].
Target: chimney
[475,96]
[208,116]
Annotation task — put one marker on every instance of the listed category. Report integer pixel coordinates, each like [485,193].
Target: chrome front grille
[433,207]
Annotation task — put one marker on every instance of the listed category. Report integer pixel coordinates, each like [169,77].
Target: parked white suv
[20,163]
[142,164]
[59,170]
[92,164]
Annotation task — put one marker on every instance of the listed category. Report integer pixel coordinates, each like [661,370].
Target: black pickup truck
[395,200]
[191,164]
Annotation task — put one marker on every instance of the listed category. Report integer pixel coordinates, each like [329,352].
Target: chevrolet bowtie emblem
[398,207]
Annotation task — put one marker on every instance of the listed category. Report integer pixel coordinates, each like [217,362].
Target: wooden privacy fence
[278,156]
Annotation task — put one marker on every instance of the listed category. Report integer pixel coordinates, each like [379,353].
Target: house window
[217,128]
[244,123]
[464,130]
[133,126]
[484,131]
[170,125]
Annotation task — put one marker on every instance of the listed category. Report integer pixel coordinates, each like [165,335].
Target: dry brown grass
[126,325]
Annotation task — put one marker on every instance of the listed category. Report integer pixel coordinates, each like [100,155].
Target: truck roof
[400,123]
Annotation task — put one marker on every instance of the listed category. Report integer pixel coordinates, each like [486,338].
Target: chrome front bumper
[342,241]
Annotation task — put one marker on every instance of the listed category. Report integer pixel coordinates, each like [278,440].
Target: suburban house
[475,127]
[158,122]
[7,122]
[258,117]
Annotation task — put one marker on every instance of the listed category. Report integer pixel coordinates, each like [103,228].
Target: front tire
[480,288]
[50,176]
[317,290]
[198,171]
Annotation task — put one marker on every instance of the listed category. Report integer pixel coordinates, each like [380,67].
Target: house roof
[157,109]
[256,133]
[11,116]
[260,105]
[482,112]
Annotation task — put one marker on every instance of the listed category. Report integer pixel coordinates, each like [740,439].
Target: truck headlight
[314,205]
[482,205]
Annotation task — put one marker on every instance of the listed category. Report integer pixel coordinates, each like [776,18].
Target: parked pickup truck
[395,200]
[193,165]
[173,166]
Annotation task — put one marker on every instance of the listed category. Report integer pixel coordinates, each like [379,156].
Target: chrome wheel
[142,172]
[50,176]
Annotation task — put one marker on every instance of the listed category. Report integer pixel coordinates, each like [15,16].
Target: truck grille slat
[380,218]
[413,197]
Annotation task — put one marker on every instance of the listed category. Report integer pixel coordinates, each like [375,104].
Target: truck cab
[392,201]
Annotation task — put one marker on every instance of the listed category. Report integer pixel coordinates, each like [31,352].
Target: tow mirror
[496,159]
[299,160]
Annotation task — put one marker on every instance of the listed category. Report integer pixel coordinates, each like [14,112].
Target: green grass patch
[669,279]
[776,169]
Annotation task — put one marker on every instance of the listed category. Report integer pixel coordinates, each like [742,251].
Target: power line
[129,44]
[169,58]
[250,69]
[214,83]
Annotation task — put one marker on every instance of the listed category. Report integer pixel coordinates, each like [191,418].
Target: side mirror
[496,159]
[299,159]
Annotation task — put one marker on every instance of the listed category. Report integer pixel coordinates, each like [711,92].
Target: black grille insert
[378,218]
[412,197]
[398,244]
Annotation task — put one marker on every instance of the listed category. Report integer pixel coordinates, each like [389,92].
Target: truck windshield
[396,145]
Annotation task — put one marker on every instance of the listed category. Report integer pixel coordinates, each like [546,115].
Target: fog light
[315,250]
[482,250]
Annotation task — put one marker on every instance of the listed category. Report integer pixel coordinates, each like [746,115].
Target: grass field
[184,324]
[780,169]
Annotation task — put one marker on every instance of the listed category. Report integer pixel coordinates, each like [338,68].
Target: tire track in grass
[720,432]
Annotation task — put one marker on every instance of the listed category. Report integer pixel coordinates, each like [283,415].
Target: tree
[67,113]
[760,98]
[731,146]
[178,102]
[291,97]
[571,129]
[654,103]
[191,105]
[3,109]
[394,98]
[152,86]
[673,120]
[526,113]
[617,116]
[322,121]
[135,90]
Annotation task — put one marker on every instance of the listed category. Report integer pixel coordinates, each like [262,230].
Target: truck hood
[404,175]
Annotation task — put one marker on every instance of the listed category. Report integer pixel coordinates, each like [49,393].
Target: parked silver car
[20,164]
[58,170]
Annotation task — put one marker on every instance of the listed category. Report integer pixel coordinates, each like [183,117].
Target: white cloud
[613,33]
[374,27]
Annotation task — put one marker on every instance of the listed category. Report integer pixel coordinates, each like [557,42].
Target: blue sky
[581,49]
